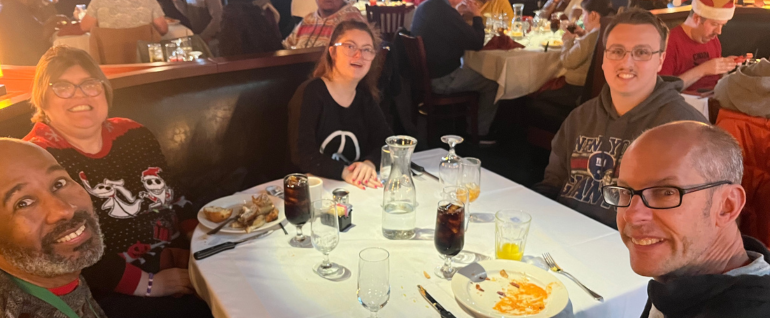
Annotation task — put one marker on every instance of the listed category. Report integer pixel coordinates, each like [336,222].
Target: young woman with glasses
[336,127]
[144,216]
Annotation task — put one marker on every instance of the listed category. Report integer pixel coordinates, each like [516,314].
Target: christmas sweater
[138,204]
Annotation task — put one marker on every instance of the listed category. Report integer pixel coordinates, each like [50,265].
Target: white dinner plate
[235,202]
[482,303]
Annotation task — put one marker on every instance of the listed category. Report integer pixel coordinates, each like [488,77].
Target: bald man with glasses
[586,152]
[678,197]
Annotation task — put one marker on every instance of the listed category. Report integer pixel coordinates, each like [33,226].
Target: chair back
[415,52]
[248,29]
[195,40]
[595,78]
[118,46]
[387,19]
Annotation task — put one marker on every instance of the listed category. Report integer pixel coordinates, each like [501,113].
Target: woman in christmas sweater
[336,127]
[120,164]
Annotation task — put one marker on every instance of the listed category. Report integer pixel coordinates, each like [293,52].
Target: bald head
[713,152]
[697,166]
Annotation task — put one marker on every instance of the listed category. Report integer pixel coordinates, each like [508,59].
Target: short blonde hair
[52,65]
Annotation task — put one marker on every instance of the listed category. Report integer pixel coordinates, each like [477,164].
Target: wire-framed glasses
[350,49]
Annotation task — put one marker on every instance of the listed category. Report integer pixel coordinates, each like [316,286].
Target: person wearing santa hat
[694,52]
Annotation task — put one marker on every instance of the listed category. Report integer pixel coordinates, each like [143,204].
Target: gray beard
[46,263]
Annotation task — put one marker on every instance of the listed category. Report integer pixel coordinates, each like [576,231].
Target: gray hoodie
[587,150]
[747,90]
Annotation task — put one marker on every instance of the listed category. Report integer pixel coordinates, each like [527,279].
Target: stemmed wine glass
[325,235]
[296,205]
[449,237]
[373,279]
[462,194]
[450,167]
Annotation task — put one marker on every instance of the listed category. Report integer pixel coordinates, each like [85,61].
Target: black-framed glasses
[638,53]
[350,49]
[660,197]
[91,87]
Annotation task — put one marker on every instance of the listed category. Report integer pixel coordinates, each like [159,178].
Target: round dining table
[267,277]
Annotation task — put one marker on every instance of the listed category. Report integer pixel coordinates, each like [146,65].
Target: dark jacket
[714,296]
[587,151]
[446,35]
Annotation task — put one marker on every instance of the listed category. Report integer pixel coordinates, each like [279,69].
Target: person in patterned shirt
[316,28]
[145,217]
[48,234]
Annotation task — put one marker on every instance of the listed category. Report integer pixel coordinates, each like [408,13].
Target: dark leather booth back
[217,131]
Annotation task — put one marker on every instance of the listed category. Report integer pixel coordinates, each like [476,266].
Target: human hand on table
[172,281]
[362,175]
[718,66]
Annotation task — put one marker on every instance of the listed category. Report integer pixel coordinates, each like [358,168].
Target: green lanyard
[47,296]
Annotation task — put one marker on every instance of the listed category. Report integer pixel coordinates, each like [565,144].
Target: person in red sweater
[144,216]
[694,52]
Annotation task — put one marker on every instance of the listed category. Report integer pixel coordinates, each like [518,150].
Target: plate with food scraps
[256,209]
[504,288]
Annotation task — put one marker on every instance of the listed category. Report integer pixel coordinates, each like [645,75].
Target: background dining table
[518,72]
[82,41]
[269,278]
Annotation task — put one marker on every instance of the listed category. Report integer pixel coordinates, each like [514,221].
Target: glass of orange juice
[511,230]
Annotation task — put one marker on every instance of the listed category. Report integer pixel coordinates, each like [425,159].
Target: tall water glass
[373,279]
[471,177]
[296,204]
[325,235]
[385,163]
[155,52]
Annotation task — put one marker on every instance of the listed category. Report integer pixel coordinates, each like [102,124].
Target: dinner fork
[554,267]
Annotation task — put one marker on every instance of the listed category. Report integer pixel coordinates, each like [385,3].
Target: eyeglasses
[661,197]
[350,49]
[91,87]
[638,53]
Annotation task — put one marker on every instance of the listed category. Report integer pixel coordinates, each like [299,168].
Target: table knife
[443,312]
[199,255]
[419,168]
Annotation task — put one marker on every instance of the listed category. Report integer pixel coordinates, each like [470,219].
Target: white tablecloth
[518,72]
[82,41]
[700,103]
[268,278]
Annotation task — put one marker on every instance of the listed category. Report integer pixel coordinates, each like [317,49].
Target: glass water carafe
[399,198]
[517,24]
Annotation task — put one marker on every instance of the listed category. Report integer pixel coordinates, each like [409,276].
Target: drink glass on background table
[171,52]
[385,163]
[80,12]
[555,23]
[296,204]
[511,230]
[155,52]
[451,165]
[399,197]
[325,235]
[449,236]
[373,279]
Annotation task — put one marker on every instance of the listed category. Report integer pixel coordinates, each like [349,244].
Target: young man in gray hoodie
[587,151]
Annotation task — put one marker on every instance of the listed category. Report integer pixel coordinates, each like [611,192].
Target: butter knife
[443,312]
[199,255]
[420,168]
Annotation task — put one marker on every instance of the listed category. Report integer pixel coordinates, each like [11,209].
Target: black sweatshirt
[446,35]
[324,135]
[714,296]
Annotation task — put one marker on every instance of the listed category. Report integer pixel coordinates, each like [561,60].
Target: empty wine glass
[373,279]
[450,167]
[325,235]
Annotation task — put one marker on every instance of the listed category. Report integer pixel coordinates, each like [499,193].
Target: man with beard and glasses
[677,197]
[694,52]
[48,234]
[587,151]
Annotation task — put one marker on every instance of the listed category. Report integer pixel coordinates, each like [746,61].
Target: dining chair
[118,46]
[387,19]
[437,106]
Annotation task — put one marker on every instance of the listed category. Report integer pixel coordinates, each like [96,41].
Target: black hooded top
[714,296]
